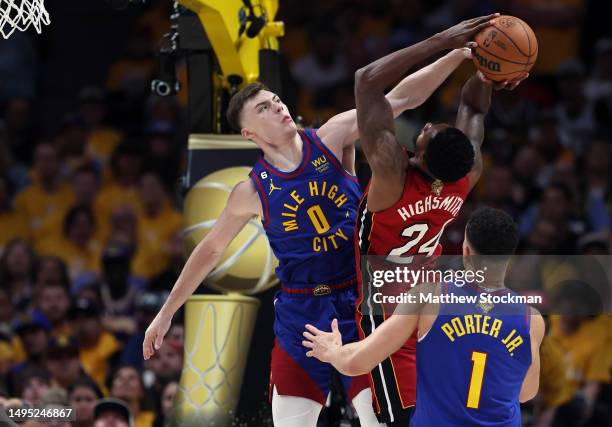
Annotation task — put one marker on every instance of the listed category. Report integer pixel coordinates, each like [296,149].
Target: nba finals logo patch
[436,187]
[485,306]
[320,164]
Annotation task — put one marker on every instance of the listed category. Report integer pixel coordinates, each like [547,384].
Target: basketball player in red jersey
[410,200]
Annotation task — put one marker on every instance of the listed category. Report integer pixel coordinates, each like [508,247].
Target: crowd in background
[90,222]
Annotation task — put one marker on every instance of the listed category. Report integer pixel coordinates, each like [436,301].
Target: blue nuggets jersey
[472,362]
[309,216]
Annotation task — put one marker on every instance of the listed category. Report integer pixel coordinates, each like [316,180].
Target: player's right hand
[323,345]
[154,336]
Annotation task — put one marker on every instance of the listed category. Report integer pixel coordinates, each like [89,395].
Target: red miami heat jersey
[411,227]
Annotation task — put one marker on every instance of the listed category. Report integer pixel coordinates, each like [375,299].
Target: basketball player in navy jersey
[411,199]
[475,361]
[304,190]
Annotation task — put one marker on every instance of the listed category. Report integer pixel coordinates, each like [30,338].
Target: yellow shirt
[554,385]
[78,260]
[102,142]
[144,419]
[154,233]
[36,206]
[587,351]
[12,226]
[95,358]
[112,196]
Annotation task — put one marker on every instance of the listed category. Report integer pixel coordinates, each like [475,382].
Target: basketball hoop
[20,14]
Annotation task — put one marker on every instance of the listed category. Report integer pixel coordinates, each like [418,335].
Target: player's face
[429,131]
[265,117]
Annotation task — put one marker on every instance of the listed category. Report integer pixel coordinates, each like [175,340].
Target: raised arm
[242,205]
[375,115]
[341,132]
[474,105]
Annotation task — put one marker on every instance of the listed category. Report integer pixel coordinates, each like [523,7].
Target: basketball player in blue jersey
[475,360]
[304,190]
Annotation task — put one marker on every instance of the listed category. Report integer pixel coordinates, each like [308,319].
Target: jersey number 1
[479,360]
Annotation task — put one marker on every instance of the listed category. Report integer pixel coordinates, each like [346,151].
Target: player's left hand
[458,35]
[506,84]
[322,345]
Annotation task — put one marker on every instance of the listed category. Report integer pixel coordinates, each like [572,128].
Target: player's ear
[246,134]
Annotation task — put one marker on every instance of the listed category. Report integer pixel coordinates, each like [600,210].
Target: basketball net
[20,14]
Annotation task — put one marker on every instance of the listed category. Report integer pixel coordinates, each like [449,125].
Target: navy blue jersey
[472,362]
[309,216]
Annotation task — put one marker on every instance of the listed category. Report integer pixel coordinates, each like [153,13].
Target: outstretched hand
[458,35]
[506,84]
[322,345]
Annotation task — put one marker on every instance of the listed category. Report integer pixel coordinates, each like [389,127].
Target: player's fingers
[313,329]
[471,45]
[334,326]
[486,18]
[308,344]
[483,25]
[309,336]
[309,353]
[158,341]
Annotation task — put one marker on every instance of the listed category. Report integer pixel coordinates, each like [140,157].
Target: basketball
[248,264]
[506,50]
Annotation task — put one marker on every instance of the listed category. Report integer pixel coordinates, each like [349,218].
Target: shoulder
[244,199]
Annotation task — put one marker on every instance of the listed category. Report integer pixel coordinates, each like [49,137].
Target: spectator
[499,188]
[17,267]
[122,189]
[97,346]
[53,301]
[598,183]
[78,246]
[574,111]
[63,361]
[32,384]
[46,195]
[555,207]
[584,338]
[52,270]
[127,385]
[157,226]
[101,139]
[167,404]
[12,226]
[33,331]
[112,413]
[163,154]
[82,396]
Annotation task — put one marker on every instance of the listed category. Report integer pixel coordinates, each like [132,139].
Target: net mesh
[20,14]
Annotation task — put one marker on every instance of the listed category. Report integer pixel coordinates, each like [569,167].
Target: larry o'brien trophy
[218,328]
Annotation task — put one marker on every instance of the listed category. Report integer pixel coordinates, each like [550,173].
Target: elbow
[527,395]
[363,78]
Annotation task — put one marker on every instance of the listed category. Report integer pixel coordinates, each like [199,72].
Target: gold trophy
[218,328]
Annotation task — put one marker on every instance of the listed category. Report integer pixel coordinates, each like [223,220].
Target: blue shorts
[294,374]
